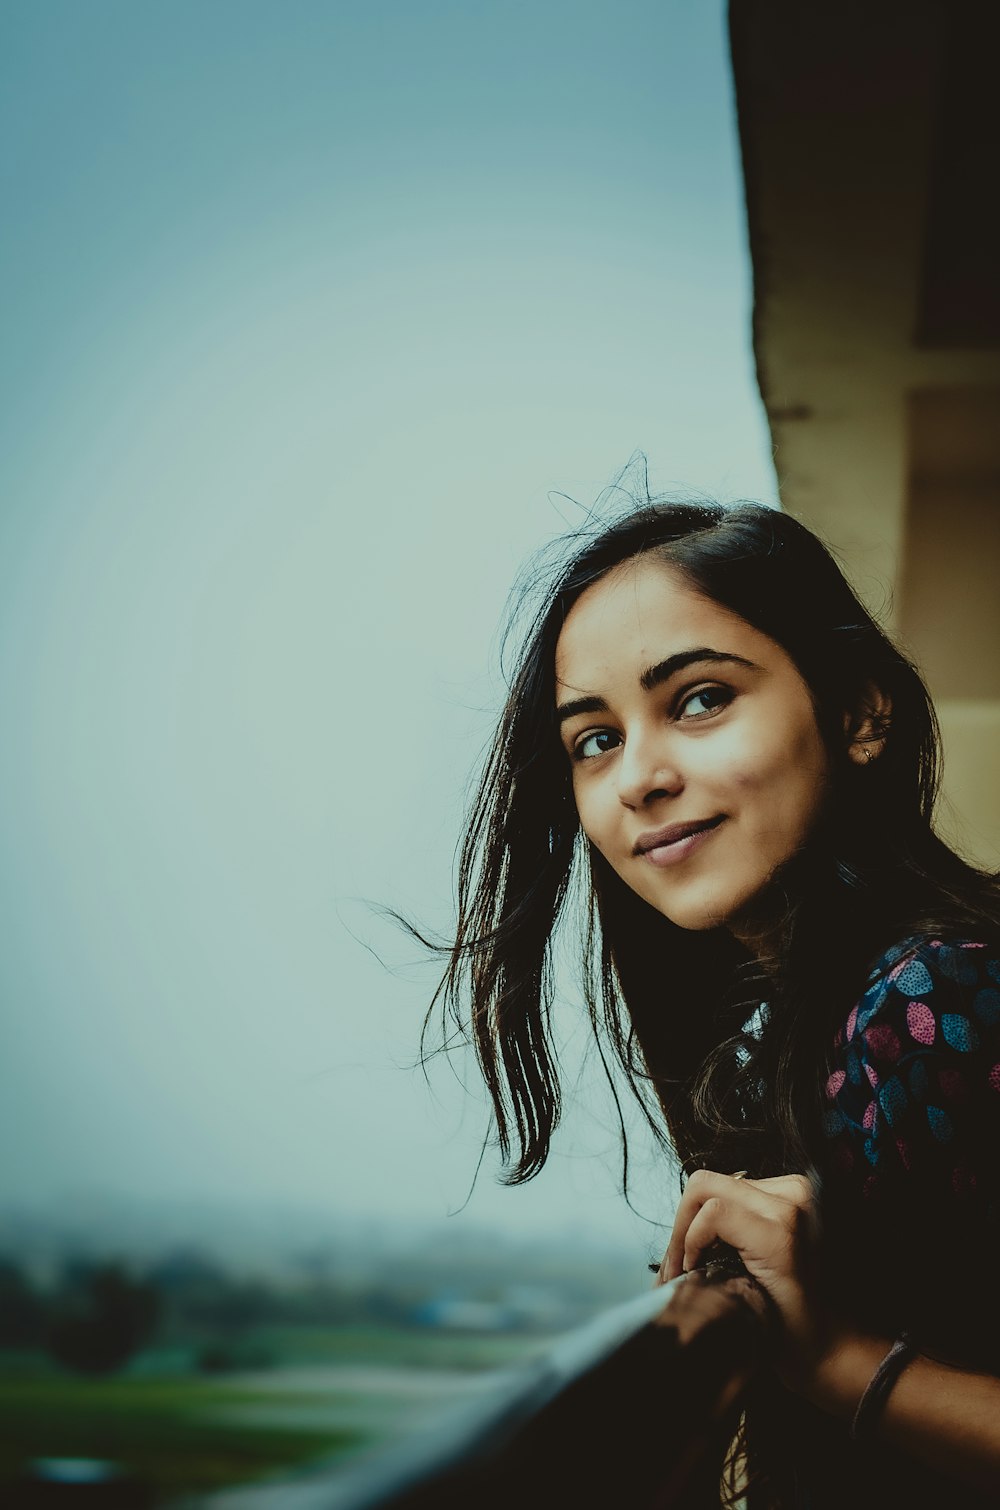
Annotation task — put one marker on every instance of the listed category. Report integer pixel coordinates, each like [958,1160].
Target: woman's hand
[772,1226]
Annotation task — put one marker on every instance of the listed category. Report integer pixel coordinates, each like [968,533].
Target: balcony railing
[635,1410]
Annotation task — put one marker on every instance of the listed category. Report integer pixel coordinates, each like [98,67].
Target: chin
[732,913]
[696,919]
[702,924]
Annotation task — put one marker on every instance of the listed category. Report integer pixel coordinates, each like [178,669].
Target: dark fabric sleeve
[913,1123]
[916,1087]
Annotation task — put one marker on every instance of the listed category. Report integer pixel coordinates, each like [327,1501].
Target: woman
[708,731]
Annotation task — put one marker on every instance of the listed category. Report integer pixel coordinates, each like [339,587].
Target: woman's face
[698,766]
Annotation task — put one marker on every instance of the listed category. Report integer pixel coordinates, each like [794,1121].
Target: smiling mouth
[676,833]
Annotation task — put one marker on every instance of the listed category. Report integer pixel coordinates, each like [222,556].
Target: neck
[761,930]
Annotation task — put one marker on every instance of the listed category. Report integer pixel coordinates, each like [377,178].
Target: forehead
[640,612]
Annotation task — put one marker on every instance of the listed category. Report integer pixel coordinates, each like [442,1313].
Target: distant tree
[97,1325]
[22,1315]
[199,1293]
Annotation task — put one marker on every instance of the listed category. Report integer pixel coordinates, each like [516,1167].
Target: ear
[867,727]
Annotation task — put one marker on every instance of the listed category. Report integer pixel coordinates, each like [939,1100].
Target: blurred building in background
[870,141]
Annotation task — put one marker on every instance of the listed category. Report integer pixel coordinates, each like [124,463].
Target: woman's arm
[941,1416]
[944,1417]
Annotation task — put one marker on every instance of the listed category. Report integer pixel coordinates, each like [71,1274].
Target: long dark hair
[677,1007]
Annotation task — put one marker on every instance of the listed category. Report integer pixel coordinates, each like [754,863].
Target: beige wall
[949,595]
[885,422]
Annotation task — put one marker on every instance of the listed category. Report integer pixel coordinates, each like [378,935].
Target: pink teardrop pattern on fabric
[852,1022]
[902,1148]
[834,1084]
[872,1074]
[994,1078]
[883,1043]
[868,1120]
[920,1021]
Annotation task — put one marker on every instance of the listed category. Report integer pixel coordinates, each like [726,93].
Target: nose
[646,770]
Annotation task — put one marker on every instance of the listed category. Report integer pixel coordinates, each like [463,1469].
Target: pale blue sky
[311,309]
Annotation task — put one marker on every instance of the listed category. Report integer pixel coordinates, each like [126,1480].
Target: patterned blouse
[916,1087]
[911,1199]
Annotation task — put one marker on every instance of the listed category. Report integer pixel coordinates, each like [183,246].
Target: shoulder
[915,1080]
[911,1163]
[935,991]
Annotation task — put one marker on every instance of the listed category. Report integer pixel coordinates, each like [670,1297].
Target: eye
[703,702]
[597,742]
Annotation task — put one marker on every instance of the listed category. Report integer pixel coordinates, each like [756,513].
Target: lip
[673,841]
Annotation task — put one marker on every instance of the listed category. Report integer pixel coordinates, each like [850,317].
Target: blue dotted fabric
[915,1087]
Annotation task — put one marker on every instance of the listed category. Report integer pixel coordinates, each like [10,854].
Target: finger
[767,1198]
[796,1188]
[701,1185]
[721,1220]
[705,1185]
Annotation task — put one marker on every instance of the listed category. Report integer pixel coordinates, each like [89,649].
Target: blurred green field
[165,1433]
[412,1347]
[311,1394]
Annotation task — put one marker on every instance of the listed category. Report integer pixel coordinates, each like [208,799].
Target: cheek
[799,784]
[745,768]
[811,760]
[791,750]
[785,779]
[599,812]
[588,812]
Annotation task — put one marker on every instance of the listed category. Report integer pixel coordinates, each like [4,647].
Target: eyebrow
[654,676]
